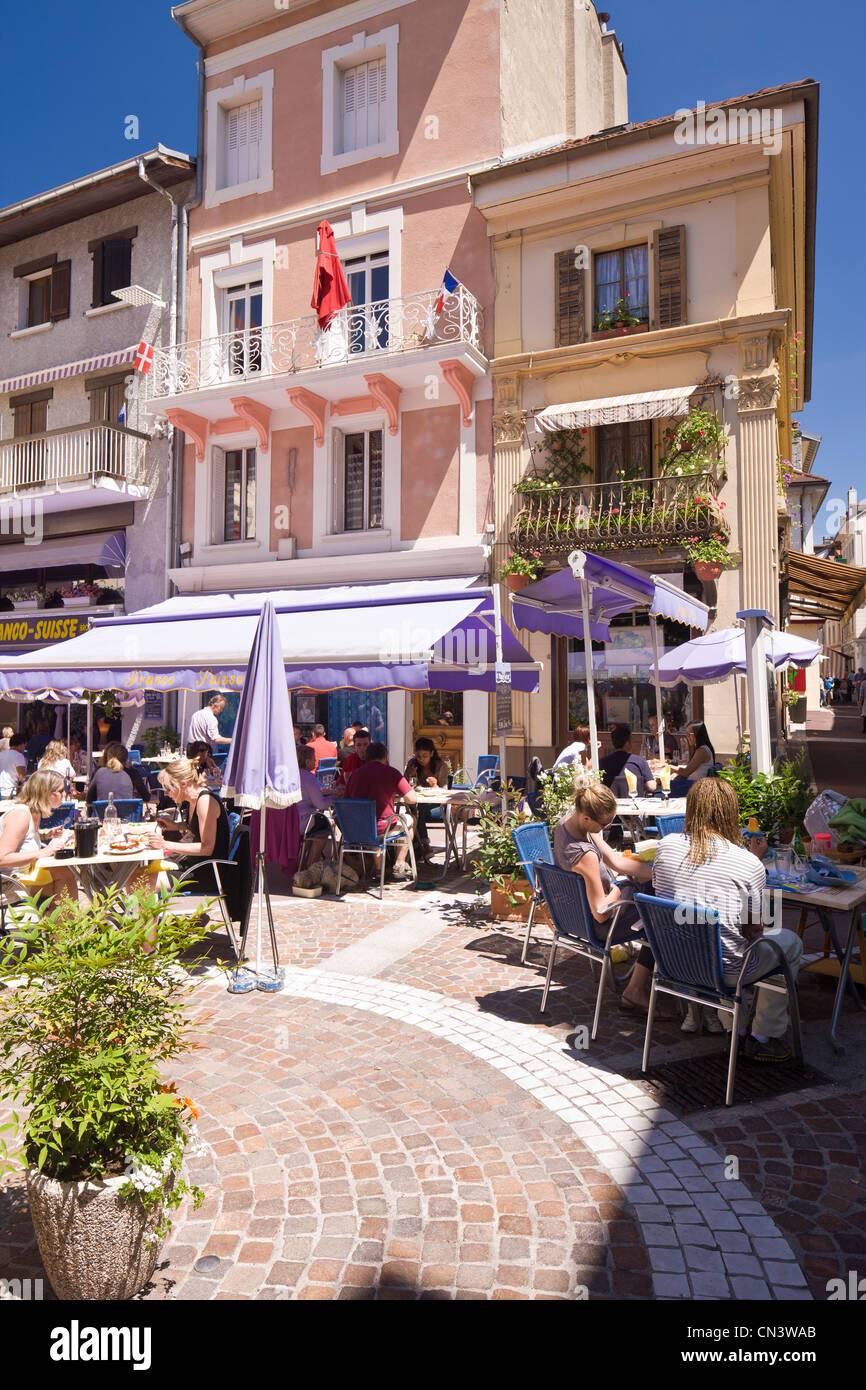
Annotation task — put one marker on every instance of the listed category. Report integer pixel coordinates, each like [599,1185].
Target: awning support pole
[660,719]
[577,560]
[497,621]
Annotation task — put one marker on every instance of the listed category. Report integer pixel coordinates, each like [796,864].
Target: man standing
[377,781]
[321,746]
[13,766]
[203,727]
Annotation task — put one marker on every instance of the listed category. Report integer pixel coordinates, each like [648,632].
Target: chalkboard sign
[504,718]
[153,702]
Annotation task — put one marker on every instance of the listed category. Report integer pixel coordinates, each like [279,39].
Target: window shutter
[97,252]
[349,109]
[570,318]
[60,281]
[116,268]
[669,275]
[254,139]
[231,150]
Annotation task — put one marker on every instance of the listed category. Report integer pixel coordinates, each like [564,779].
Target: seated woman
[206,824]
[702,755]
[579,845]
[613,767]
[118,776]
[200,753]
[54,759]
[707,866]
[314,801]
[426,768]
[21,852]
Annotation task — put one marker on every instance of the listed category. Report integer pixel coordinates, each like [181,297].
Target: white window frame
[327,477]
[362,48]
[339,479]
[220,100]
[220,454]
[229,269]
[209,511]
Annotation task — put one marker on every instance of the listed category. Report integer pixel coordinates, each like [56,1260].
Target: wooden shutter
[350,103]
[97,275]
[669,277]
[31,418]
[116,268]
[570,310]
[60,282]
[231,151]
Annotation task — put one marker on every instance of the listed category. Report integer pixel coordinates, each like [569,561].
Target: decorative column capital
[758,393]
[509,426]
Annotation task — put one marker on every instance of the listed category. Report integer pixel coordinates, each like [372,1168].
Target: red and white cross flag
[143,359]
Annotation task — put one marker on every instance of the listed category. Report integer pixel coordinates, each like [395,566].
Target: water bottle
[111,820]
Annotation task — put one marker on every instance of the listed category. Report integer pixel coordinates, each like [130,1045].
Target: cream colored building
[715,242]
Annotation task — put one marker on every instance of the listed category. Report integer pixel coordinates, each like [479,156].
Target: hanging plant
[695,445]
[108,699]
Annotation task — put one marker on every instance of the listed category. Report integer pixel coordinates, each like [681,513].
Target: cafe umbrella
[262,771]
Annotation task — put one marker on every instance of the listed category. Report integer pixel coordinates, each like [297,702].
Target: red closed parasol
[330,289]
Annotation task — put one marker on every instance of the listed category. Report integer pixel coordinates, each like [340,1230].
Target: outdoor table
[162,758]
[826,902]
[448,799]
[639,808]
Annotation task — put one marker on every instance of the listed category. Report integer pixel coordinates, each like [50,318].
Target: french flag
[449,285]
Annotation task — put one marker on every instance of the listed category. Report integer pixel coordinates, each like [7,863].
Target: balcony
[81,464]
[361,337]
[644,512]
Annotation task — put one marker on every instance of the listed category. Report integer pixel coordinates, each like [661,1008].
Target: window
[242,318]
[112,265]
[360,481]
[43,291]
[239,139]
[359,96]
[368,286]
[621,279]
[239,512]
[364,91]
[30,417]
[625,450]
[108,402]
[242,139]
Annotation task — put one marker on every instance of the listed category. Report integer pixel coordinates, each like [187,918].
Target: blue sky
[133,60]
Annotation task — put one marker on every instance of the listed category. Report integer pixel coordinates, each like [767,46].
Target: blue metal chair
[356,822]
[133,755]
[574,926]
[533,846]
[327,776]
[670,825]
[216,864]
[327,765]
[64,815]
[488,769]
[686,942]
[128,808]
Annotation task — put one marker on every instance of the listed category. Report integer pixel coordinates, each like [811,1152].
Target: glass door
[242,318]
[369,313]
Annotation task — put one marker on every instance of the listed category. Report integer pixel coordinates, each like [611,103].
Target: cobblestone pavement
[422,1132]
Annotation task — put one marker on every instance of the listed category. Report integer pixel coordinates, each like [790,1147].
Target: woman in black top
[208,824]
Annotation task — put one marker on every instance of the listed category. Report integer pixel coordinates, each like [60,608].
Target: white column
[399,727]
[756,620]
[476,728]
[468,522]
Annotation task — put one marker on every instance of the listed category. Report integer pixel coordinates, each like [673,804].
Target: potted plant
[156,737]
[611,323]
[100,1007]
[79,594]
[520,570]
[708,556]
[27,600]
[695,445]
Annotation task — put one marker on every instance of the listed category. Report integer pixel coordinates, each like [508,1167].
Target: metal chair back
[327,765]
[356,821]
[533,846]
[488,768]
[133,755]
[687,951]
[565,895]
[326,777]
[64,815]
[128,808]
[670,825]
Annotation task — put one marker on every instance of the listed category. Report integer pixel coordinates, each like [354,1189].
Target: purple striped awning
[90,364]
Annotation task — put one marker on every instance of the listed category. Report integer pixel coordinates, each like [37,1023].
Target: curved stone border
[706,1236]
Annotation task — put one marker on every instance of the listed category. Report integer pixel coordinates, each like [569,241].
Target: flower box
[707,571]
[624,331]
[79,601]
[26,605]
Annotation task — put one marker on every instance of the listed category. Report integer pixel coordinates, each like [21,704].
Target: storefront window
[622,667]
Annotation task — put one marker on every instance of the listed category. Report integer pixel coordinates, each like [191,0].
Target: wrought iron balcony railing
[358,333]
[78,454]
[619,516]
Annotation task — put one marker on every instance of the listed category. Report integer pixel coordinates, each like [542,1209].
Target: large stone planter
[503,910]
[93,1242]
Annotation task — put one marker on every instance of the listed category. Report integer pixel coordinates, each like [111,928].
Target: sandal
[629,1008]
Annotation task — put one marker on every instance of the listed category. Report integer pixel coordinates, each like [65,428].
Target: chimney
[852,502]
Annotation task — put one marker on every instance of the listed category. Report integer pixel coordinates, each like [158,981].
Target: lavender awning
[553,604]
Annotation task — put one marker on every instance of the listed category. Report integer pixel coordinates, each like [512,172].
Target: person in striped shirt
[708,867]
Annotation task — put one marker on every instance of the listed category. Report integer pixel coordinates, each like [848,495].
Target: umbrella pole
[260,887]
[660,719]
[89,738]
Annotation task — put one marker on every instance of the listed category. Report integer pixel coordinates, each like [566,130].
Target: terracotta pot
[707,571]
[502,910]
[518,581]
[94,1243]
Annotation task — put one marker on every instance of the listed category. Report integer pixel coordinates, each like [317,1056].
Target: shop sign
[38,630]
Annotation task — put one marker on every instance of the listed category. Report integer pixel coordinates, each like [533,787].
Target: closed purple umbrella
[262,767]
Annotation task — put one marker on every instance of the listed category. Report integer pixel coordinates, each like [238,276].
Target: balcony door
[242,319]
[108,407]
[369,315]
[30,417]
[624,454]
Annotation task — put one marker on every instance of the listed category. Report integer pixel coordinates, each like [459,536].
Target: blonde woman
[205,815]
[579,845]
[21,851]
[54,759]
